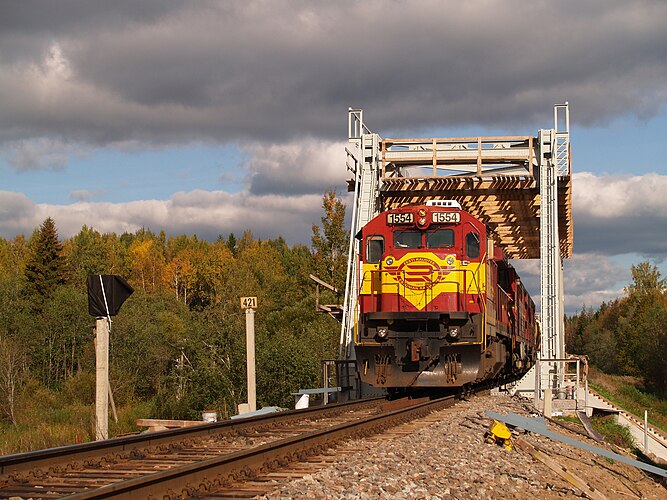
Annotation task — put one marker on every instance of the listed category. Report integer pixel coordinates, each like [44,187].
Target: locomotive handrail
[374,292]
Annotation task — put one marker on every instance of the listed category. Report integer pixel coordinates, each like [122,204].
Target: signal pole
[101,379]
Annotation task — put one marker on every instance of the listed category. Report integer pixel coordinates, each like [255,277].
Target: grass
[629,394]
[47,422]
[613,433]
[568,418]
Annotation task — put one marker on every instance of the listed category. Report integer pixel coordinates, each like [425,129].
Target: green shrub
[613,432]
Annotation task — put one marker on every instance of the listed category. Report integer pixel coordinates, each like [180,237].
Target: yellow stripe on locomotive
[424,280]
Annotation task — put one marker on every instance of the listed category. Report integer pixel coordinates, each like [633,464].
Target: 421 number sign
[248,302]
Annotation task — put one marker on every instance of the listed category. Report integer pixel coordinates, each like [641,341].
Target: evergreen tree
[231,243]
[45,269]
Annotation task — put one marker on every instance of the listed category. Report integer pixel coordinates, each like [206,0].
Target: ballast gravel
[446,457]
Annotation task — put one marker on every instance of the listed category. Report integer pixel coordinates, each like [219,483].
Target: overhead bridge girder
[494,178]
[510,206]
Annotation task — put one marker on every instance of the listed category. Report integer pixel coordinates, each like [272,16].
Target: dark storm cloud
[37,16]
[176,71]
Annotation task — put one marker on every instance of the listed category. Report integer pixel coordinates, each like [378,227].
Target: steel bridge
[519,186]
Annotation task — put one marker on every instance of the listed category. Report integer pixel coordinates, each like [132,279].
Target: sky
[212,117]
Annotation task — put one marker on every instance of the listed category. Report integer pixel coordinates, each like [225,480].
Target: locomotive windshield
[440,238]
[408,238]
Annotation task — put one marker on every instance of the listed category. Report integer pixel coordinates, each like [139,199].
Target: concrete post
[250,358]
[548,403]
[645,431]
[536,397]
[576,389]
[101,379]
[325,382]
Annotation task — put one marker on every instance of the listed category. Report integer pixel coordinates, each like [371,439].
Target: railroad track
[199,460]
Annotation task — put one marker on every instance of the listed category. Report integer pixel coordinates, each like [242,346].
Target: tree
[147,263]
[653,348]
[87,254]
[46,268]
[646,279]
[12,370]
[331,245]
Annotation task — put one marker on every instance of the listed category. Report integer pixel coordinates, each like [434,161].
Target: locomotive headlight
[454,332]
[390,261]
[450,260]
[383,331]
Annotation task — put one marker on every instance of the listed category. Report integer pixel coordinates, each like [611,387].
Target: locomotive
[439,305]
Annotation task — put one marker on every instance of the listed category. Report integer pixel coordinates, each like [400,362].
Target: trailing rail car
[439,305]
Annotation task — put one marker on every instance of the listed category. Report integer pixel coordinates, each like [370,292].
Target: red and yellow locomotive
[439,306]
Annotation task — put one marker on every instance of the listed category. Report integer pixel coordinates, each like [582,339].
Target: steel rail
[64,455]
[197,478]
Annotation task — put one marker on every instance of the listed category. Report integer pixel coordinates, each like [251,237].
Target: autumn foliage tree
[178,345]
[629,335]
[330,243]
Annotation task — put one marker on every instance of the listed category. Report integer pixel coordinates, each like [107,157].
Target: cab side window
[374,249]
[472,245]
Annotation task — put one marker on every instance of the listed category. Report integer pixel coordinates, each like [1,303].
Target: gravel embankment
[447,458]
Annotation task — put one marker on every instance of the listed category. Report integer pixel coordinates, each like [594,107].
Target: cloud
[159,72]
[42,154]
[205,213]
[296,168]
[17,214]
[589,280]
[620,214]
[614,215]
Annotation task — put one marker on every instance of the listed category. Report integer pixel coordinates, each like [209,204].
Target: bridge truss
[519,186]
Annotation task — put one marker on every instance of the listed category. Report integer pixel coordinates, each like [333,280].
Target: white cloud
[43,153]
[310,166]
[618,221]
[589,280]
[614,196]
[17,214]
[205,213]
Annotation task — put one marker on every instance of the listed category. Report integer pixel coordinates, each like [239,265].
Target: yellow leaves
[198,269]
[147,264]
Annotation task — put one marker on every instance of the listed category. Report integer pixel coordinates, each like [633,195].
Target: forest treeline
[627,336]
[177,346]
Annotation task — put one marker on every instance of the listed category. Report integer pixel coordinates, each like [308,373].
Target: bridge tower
[519,186]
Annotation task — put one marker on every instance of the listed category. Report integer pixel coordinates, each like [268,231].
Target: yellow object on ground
[499,433]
